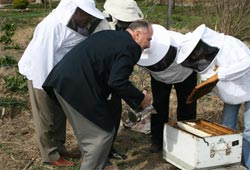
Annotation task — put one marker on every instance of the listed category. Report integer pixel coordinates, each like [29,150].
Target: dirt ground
[18,149]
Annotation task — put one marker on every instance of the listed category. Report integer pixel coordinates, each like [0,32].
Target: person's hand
[147,99]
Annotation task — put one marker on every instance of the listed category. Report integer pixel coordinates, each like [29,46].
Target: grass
[156,13]
[21,18]
[181,15]
[132,143]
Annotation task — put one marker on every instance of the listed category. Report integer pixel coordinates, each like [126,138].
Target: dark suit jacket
[92,70]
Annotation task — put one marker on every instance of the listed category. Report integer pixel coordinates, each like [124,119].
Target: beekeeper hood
[66,9]
[123,10]
[200,48]
[160,58]
[159,47]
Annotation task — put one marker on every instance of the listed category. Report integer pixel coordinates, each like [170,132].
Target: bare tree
[231,17]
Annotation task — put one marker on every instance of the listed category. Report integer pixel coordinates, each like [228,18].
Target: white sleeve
[237,59]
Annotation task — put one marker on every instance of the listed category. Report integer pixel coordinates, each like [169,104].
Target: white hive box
[201,144]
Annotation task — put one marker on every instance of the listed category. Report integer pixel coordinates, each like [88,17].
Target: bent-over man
[86,76]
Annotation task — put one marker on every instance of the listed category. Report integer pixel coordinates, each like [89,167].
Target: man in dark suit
[84,80]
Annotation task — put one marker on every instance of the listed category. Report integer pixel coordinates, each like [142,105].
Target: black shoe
[116,155]
[155,148]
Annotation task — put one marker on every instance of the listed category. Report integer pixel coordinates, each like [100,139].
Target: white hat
[123,10]
[89,7]
[190,42]
[159,46]
[207,35]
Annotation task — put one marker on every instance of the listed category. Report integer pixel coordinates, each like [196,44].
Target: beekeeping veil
[66,9]
[200,48]
[160,58]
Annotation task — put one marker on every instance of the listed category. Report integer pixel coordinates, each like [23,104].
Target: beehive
[201,144]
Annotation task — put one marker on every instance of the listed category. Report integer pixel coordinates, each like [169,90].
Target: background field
[17,138]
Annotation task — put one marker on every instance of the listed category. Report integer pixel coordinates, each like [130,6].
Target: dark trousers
[115,105]
[161,93]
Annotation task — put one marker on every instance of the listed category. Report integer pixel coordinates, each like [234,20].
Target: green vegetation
[183,19]
[231,17]
[6,38]
[8,29]
[20,4]
[12,102]
[10,16]
[13,83]
[14,94]
[181,15]
[16,83]
[7,61]
[156,13]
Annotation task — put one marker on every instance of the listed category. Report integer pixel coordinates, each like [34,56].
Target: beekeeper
[119,14]
[160,61]
[67,25]
[211,53]
[98,66]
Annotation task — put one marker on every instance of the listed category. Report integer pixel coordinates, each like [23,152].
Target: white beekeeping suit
[66,26]
[44,52]
[231,62]
[163,43]
[227,59]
